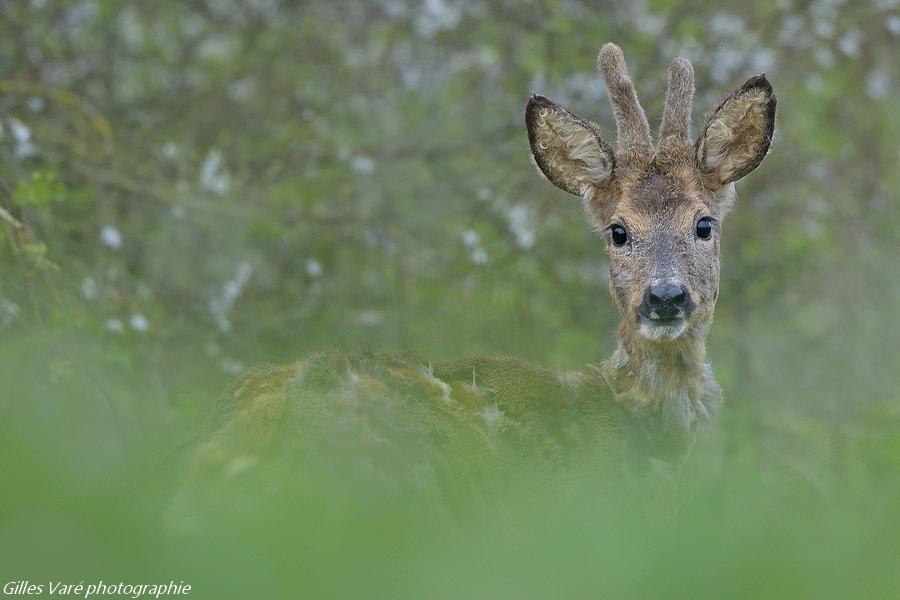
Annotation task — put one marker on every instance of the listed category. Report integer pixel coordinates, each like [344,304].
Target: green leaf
[41,189]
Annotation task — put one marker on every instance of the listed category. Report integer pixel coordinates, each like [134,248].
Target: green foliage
[41,189]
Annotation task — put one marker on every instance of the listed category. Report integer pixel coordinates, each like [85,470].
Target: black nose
[666,300]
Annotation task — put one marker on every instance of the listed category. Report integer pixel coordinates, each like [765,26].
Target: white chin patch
[662,332]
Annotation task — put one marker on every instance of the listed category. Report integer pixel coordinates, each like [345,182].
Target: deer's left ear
[737,136]
[567,149]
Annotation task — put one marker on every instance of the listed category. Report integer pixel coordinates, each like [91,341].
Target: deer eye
[619,235]
[704,228]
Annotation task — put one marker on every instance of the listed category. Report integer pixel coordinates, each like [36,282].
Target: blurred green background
[204,186]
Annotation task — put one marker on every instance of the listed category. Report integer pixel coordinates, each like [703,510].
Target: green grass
[92,460]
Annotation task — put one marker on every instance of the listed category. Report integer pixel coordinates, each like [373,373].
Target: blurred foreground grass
[91,460]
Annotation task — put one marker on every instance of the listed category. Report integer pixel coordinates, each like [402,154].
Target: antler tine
[676,119]
[633,130]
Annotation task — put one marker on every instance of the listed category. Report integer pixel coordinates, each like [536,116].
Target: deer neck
[668,387]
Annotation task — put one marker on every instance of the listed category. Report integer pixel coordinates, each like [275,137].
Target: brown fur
[676,119]
[737,136]
[572,153]
[632,127]
[388,425]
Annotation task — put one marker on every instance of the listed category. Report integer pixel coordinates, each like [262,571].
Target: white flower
[364,165]
[241,90]
[22,136]
[213,176]
[111,237]
[138,322]
[893,24]
[435,15]
[313,267]
[470,238]
[220,306]
[849,43]
[878,84]
[88,288]
[115,326]
[521,224]
[479,256]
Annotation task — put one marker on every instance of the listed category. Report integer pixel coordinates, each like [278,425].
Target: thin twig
[13,222]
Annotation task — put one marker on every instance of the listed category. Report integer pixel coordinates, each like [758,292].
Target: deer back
[395,423]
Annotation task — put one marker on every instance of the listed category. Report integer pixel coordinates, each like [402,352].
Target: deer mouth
[661,327]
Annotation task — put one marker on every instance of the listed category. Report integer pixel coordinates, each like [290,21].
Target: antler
[676,119]
[632,128]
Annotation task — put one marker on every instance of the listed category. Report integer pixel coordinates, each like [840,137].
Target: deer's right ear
[567,149]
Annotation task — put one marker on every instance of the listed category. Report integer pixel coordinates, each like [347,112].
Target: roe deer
[659,209]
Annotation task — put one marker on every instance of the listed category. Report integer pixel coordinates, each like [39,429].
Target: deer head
[659,208]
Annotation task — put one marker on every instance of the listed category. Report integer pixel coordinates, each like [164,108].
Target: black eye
[704,228]
[619,236]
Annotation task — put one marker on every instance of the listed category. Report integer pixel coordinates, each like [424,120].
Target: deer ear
[567,149]
[737,136]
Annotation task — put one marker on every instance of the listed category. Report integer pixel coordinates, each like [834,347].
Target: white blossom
[110,237]
[138,322]
[88,288]
[221,305]
[893,24]
[364,165]
[436,15]
[878,84]
[469,238]
[24,147]
[479,256]
[213,176]
[313,267]
[522,226]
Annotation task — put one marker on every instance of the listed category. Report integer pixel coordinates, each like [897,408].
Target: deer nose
[666,301]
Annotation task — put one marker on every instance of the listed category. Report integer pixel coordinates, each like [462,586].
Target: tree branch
[13,222]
